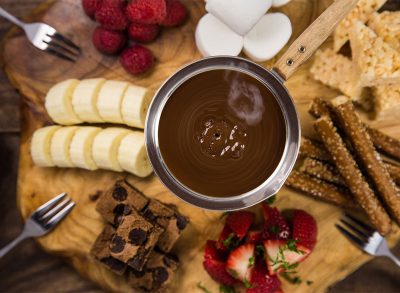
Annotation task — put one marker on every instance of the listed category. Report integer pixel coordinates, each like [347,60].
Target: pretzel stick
[383,142]
[351,174]
[309,148]
[367,154]
[320,189]
[321,170]
[394,172]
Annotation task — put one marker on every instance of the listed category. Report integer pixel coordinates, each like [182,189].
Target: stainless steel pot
[298,53]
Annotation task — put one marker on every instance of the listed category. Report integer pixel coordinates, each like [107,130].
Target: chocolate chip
[149,215]
[160,275]
[95,196]
[120,193]
[181,222]
[122,209]
[113,263]
[118,219]
[137,261]
[117,244]
[137,273]
[170,260]
[137,236]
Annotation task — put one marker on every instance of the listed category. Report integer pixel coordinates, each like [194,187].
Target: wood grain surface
[32,73]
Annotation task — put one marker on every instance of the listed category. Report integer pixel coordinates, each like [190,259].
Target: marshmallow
[268,37]
[213,38]
[239,15]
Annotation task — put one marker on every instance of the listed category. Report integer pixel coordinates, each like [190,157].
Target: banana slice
[132,155]
[135,104]
[105,148]
[40,146]
[84,99]
[81,147]
[59,103]
[110,99]
[60,144]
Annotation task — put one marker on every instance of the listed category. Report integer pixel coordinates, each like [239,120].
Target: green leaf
[231,242]
[271,200]
[201,287]
[252,260]
[247,284]
[226,289]
[233,273]
[292,279]
[274,229]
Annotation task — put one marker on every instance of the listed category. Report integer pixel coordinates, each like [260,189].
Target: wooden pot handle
[310,40]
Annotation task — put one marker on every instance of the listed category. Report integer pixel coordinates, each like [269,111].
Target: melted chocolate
[222,133]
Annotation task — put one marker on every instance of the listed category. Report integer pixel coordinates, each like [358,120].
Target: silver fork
[365,237]
[43,220]
[46,38]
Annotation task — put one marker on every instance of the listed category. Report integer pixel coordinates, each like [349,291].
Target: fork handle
[11,17]
[12,244]
[396,260]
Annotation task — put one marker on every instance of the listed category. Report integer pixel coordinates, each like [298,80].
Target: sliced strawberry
[217,271]
[283,255]
[227,239]
[212,252]
[275,226]
[261,281]
[240,222]
[254,237]
[240,262]
[304,229]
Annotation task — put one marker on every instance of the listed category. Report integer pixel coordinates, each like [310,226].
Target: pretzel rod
[321,170]
[319,189]
[309,148]
[383,142]
[367,154]
[394,172]
[351,174]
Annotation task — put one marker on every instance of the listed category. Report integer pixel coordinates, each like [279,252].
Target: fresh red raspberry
[108,41]
[136,59]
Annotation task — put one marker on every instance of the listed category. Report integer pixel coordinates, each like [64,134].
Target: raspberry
[90,7]
[176,14]
[108,41]
[136,59]
[111,15]
[147,11]
[143,32]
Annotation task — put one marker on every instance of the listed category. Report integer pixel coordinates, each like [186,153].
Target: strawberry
[304,229]
[147,11]
[283,256]
[90,7]
[275,226]
[227,239]
[240,262]
[212,252]
[110,14]
[261,281]
[240,222]
[107,41]
[176,13]
[254,237]
[143,32]
[136,59]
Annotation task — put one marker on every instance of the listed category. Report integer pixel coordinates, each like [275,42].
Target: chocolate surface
[222,133]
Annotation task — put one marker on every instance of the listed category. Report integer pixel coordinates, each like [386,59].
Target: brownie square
[119,201]
[157,274]
[134,239]
[168,218]
[101,251]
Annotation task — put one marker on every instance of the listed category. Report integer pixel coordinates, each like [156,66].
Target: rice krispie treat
[387,26]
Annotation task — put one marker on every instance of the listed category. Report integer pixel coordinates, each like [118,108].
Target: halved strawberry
[214,263]
[240,262]
[275,226]
[261,281]
[240,222]
[254,237]
[282,256]
[227,239]
[304,229]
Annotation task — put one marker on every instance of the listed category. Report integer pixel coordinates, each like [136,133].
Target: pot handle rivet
[290,62]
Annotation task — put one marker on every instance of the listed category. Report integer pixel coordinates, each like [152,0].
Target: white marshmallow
[279,3]
[239,15]
[268,37]
[213,38]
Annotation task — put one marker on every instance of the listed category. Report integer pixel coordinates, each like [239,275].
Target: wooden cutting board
[33,73]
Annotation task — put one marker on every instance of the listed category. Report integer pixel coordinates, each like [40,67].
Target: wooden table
[29,269]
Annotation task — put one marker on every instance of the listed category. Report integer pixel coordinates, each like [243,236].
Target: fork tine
[355,240]
[355,230]
[44,208]
[55,210]
[368,228]
[60,48]
[61,38]
[58,54]
[60,216]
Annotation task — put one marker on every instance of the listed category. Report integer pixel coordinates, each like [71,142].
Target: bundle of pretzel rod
[345,166]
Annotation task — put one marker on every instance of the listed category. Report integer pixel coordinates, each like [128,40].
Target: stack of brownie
[138,237]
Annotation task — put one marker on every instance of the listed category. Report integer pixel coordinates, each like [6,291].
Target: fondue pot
[274,79]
